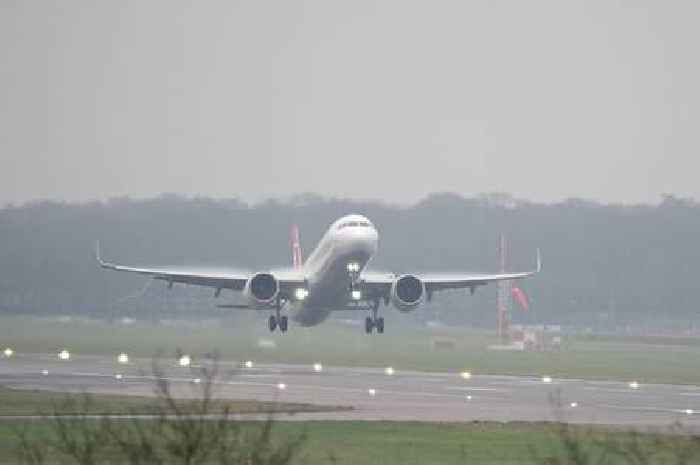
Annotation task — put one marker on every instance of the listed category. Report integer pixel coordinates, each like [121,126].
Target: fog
[384,100]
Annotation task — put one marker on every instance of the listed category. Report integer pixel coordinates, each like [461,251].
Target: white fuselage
[351,239]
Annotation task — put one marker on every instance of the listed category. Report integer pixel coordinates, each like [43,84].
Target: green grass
[387,443]
[403,347]
[15,402]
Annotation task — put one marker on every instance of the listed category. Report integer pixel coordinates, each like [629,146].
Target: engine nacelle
[407,292]
[261,290]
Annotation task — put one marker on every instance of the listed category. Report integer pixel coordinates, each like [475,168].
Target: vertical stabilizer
[297,257]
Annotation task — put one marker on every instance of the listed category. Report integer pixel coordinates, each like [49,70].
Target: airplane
[334,277]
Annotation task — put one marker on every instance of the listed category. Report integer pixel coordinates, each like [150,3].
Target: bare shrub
[585,445]
[196,431]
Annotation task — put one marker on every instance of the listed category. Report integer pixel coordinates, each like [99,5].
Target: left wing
[217,278]
[379,284]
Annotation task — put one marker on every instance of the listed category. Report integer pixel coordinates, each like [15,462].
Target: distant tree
[637,259]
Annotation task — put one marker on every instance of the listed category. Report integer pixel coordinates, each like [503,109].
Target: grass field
[389,443]
[403,347]
[15,402]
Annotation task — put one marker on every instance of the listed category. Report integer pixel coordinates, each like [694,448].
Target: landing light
[185,361]
[301,293]
[64,355]
[281,386]
[356,295]
[123,359]
[9,352]
[318,368]
[45,372]
[118,376]
[389,371]
[197,380]
[634,385]
[547,379]
[573,404]
[469,397]
[372,392]
[466,375]
[689,411]
[248,364]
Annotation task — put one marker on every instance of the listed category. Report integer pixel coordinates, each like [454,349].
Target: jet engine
[407,293]
[261,290]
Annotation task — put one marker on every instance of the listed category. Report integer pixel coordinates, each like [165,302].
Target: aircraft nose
[364,238]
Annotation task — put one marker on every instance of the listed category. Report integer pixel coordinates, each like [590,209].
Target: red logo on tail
[297,257]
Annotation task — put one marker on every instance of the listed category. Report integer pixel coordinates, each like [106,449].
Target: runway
[378,393]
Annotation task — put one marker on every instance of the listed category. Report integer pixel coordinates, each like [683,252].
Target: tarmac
[387,393]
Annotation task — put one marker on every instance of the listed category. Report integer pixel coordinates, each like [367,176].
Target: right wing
[379,284]
[209,277]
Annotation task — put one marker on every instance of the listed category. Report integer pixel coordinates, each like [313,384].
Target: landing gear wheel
[369,325]
[380,325]
[283,324]
[272,323]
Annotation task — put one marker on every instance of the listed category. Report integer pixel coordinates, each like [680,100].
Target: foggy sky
[366,99]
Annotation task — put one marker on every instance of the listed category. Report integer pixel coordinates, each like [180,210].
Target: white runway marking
[620,390]
[641,408]
[474,388]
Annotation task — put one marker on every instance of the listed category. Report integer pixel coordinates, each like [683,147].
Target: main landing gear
[281,322]
[278,321]
[374,322]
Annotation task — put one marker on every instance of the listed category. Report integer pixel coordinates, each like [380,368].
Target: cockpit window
[356,224]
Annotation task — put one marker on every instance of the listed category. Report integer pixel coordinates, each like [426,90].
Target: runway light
[123,359]
[318,368]
[118,376]
[8,352]
[573,404]
[389,371]
[372,392]
[466,375]
[45,372]
[197,380]
[356,295]
[634,385]
[689,411]
[547,379]
[301,293]
[281,386]
[64,355]
[185,361]
[248,364]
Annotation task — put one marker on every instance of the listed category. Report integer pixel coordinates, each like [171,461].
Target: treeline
[604,265]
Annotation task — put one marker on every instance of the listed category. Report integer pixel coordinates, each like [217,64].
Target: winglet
[98,254]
